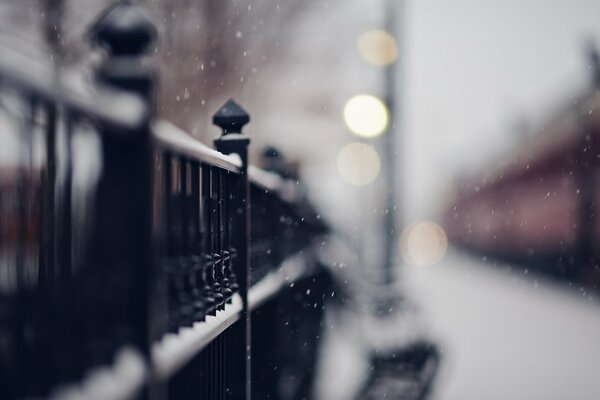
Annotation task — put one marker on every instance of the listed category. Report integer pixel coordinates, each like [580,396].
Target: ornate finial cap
[231,117]
[124,29]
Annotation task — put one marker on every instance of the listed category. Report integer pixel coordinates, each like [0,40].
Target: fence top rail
[69,89]
[171,138]
[176,140]
[265,179]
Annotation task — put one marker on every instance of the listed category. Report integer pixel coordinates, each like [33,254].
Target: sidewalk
[507,334]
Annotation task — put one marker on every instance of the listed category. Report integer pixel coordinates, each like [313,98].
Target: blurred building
[537,206]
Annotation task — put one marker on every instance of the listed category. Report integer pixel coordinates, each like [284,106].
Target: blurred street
[507,333]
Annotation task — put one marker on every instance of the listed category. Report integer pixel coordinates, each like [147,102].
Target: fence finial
[125,32]
[231,117]
[123,29]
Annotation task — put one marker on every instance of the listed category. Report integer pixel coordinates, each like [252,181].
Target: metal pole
[391,142]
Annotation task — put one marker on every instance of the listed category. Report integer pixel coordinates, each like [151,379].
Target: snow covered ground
[507,334]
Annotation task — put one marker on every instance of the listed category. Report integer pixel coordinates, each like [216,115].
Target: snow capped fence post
[122,251]
[231,118]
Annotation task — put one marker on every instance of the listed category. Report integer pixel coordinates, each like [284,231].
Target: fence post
[122,244]
[231,118]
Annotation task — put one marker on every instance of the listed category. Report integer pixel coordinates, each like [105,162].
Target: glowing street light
[358,163]
[424,243]
[366,115]
[377,47]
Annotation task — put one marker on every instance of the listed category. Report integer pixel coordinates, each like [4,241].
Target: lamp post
[391,144]
[369,117]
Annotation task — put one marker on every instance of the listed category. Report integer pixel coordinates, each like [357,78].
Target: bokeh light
[377,47]
[358,163]
[423,243]
[366,115]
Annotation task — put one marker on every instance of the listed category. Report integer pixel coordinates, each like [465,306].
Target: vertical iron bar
[170,241]
[49,240]
[66,204]
[215,225]
[195,237]
[207,250]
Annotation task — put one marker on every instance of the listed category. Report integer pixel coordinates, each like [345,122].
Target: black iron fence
[136,262]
